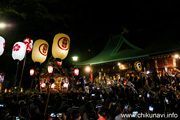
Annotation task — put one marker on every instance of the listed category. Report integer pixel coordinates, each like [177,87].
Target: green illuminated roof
[118,49]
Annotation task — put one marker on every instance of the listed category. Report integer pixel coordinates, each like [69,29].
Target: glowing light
[75,58]
[59,63]
[124,82]
[109,82]
[21,89]
[119,64]
[166,68]
[3,25]
[43,85]
[88,69]
[9,90]
[31,72]
[176,56]
[50,69]
[174,62]
[5,90]
[76,72]
[65,85]
[53,85]
[147,72]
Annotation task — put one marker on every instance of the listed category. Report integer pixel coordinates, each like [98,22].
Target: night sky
[88,23]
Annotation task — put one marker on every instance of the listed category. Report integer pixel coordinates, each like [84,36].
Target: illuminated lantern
[40,50]
[50,69]
[19,51]
[53,85]
[21,89]
[29,44]
[59,63]
[31,72]
[5,90]
[43,85]
[2,45]
[76,72]
[60,47]
[124,82]
[138,66]
[65,85]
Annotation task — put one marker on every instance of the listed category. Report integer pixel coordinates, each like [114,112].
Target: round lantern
[60,47]
[31,72]
[40,50]
[50,69]
[76,72]
[138,66]
[59,63]
[2,45]
[19,51]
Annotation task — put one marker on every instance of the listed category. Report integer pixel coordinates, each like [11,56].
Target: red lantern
[50,69]
[59,63]
[31,72]
[76,72]
[124,82]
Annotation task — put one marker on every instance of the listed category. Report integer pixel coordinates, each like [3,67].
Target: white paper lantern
[60,47]
[2,45]
[19,51]
[40,51]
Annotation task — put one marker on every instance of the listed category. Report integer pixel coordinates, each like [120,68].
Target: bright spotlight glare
[119,64]
[88,69]
[3,25]
[176,56]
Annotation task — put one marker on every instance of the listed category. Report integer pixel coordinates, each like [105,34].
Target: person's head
[76,115]
[102,112]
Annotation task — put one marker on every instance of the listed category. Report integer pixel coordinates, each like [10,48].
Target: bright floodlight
[176,56]
[88,69]
[3,25]
[75,58]
[119,63]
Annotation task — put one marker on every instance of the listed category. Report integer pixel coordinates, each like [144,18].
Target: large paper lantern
[40,50]
[2,45]
[19,51]
[60,47]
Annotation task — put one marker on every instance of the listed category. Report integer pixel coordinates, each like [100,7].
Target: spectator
[102,114]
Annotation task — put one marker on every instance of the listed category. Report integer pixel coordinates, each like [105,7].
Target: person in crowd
[102,114]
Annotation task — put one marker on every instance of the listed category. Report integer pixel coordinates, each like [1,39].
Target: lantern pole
[49,90]
[28,96]
[21,76]
[16,73]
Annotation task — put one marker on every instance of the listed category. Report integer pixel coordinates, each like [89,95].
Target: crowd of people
[132,95]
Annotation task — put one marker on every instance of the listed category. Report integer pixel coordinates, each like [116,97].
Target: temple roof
[118,49]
